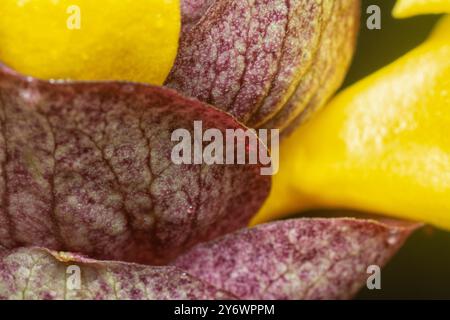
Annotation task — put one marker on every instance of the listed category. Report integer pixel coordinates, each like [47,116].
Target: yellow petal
[134,40]
[383,145]
[409,8]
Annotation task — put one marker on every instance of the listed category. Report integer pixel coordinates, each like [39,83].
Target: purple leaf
[86,167]
[265,61]
[296,259]
[35,274]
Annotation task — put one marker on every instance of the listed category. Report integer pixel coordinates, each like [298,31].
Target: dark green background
[422,267]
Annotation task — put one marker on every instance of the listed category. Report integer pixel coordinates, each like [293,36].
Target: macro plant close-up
[224,150]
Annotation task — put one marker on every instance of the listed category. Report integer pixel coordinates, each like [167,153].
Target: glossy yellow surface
[134,40]
[409,8]
[382,145]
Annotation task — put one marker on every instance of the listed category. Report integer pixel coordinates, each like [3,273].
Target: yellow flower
[408,8]
[382,145]
[134,40]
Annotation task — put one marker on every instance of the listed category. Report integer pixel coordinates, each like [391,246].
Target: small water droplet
[26,94]
[393,239]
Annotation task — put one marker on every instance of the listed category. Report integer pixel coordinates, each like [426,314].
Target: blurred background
[421,270]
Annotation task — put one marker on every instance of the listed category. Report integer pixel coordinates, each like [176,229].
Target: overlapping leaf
[264,61]
[35,273]
[297,259]
[86,167]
